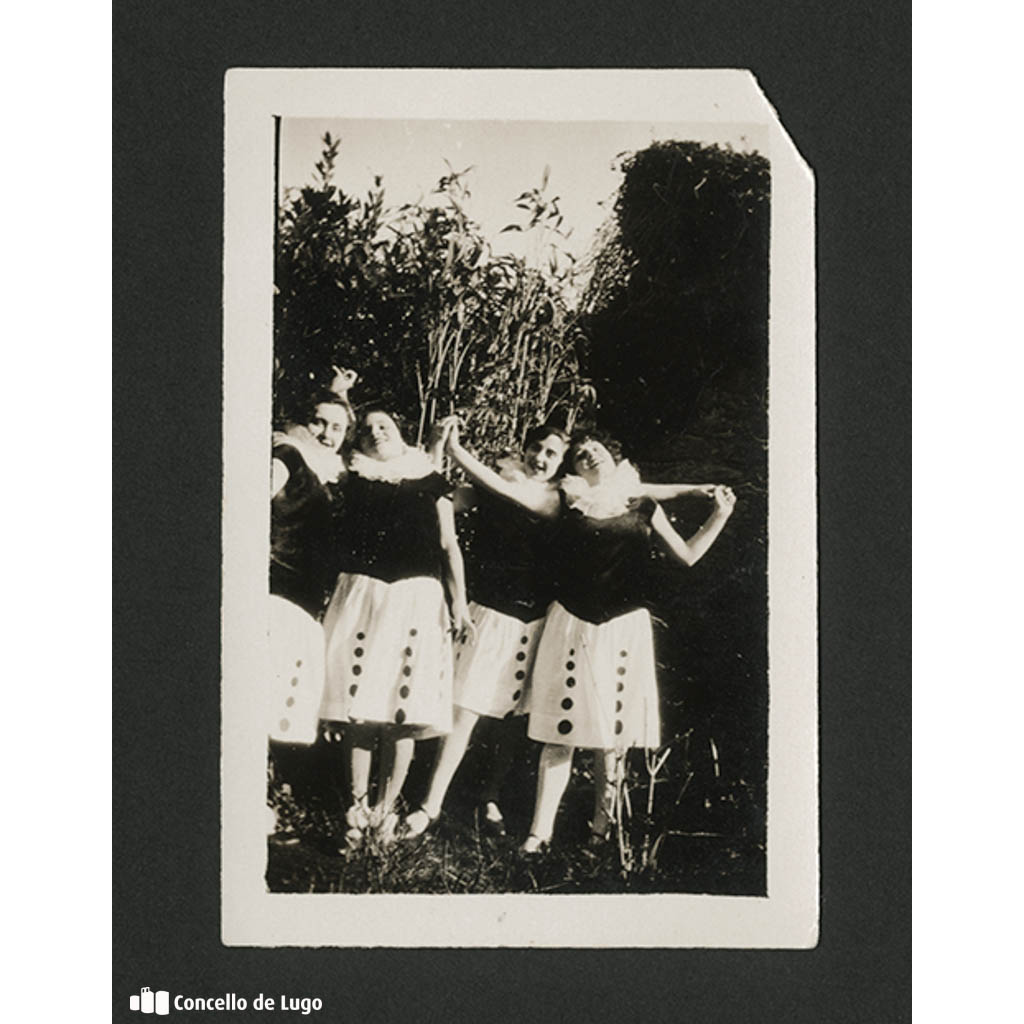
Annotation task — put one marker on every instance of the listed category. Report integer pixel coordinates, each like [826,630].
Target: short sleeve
[645,508]
[290,456]
[436,486]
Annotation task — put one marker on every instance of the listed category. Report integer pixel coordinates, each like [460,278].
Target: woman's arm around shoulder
[541,502]
[690,551]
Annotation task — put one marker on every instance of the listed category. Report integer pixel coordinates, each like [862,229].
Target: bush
[414,298]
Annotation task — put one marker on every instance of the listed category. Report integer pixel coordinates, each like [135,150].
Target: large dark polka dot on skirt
[517,694]
[618,728]
[570,665]
[403,692]
[358,652]
[520,656]
[570,682]
[565,726]
[357,669]
[284,723]
[520,674]
[399,716]
[353,689]
[567,703]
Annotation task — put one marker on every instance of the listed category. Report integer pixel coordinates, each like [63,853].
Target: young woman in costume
[510,593]
[306,460]
[388,652]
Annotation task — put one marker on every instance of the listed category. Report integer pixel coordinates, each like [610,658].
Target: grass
[673,840]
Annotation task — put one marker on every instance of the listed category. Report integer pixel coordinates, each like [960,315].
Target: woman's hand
[463,627]
[449,430]
[439,432]
[725,501]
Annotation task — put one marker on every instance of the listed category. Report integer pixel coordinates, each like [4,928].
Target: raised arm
[666,492]
[541,502]
[436,442]
[688,552]
[454,569]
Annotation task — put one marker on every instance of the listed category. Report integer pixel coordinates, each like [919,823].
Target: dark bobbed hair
[304,408]
[543,430]
[360,423]
[578,438]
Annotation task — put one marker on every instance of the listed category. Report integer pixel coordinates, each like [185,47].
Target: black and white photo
[518,512]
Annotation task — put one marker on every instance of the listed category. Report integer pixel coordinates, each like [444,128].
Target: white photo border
[251,916]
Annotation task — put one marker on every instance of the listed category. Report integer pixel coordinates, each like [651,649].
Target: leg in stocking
[553,772]
[396,756]
[359,742]
[450,752]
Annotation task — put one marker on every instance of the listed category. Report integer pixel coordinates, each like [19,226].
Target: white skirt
[594,685]
[297,663]
[389,654]
[492,672]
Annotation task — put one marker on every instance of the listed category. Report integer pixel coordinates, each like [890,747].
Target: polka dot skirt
[594,685]
[492,672]
[297,680]
[388,653]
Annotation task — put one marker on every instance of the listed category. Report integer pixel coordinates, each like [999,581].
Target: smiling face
[379,437]
[592,461]
[542,457]
[329,425]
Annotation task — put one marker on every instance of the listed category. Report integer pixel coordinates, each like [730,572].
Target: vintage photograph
[515,523]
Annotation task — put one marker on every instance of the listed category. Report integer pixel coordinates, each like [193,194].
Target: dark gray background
[840,76]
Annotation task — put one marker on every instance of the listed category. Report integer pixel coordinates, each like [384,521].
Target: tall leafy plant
[415,299]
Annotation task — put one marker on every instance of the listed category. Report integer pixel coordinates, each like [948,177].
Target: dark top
[601,564]
[300,534]
[390,530]
[506,559]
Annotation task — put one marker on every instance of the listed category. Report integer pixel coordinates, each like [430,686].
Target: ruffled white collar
[326,464]
[512,469]
[412,464]
[607,499]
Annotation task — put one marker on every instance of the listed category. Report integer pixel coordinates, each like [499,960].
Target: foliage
[415,299]
[678,292]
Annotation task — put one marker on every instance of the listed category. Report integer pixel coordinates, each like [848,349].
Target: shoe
[493,821]
[533,846]
[385,831]
[357,817]
[416,824]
